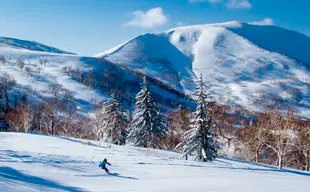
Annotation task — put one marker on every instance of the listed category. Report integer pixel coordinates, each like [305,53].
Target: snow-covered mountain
[89,80]
[252,66]
[11,44]
[245,65]
[30,162]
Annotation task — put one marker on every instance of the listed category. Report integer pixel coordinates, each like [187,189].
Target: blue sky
[88,27]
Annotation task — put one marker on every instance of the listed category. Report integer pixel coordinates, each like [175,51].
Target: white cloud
[148,19]
[266,21]
[210,1]
[239,4]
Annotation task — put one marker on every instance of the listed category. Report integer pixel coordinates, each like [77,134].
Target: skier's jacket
[103,163]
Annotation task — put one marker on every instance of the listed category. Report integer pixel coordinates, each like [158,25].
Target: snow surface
[42,76]
[245,65]
[30,162]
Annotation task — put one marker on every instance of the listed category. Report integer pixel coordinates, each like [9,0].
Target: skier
[102,165]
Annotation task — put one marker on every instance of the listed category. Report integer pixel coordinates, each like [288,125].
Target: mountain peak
[201,26]
[243,63]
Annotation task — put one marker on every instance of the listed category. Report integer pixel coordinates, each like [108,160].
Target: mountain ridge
[238,71]
[29,45]
[231,56]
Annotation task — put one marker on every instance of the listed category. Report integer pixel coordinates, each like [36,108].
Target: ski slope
[30,162]
[244,65]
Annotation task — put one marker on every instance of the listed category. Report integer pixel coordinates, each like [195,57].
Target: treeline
[276,138]
[273,137]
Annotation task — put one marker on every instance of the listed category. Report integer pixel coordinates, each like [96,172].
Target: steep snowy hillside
[7,43]
[67,164]
[88,80]
[35,79]
[243,64]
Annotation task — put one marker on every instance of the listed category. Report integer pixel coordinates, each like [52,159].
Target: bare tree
[65,69]
[38,69]
[178,123]
[304,143]
[84,125]
[69,123]
[21,118]
[226,132]
[55,88]
[281,136]
[68,96]
[43,62]
[26,117]
[50,116]
[28,70]
[252,140]
[97,124]
[3,60]
[20,63]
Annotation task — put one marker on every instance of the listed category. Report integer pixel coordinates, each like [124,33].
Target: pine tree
[199,140]
[114,122]
[147,127]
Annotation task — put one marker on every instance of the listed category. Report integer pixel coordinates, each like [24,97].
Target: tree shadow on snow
[267,170]
[10,174]
[246,162]
[270,168]
[228,165]
[83,142]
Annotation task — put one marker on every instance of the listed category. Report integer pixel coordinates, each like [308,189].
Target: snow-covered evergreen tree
[199,140]
[114,122]
[148,126]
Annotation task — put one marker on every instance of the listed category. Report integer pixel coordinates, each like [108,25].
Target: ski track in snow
[30,162]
